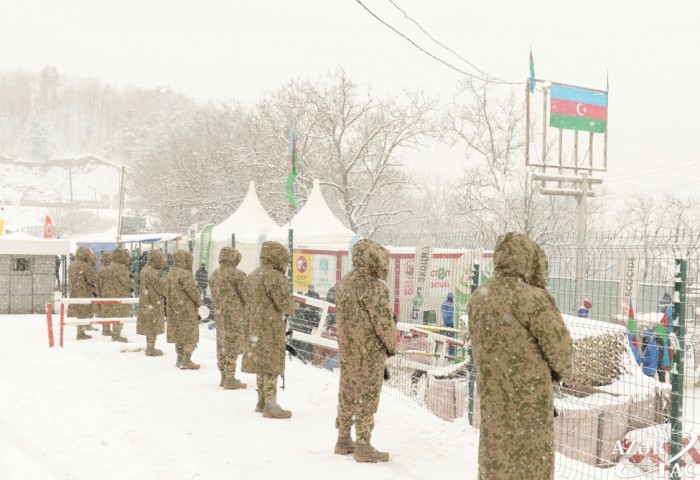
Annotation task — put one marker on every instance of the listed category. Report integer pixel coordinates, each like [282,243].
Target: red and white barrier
[63,320]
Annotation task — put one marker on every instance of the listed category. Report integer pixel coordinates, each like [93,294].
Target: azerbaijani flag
[578,109]
[632,334]
[291,179]
[663,330]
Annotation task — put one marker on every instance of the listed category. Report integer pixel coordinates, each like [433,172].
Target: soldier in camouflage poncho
[81,284]
[520,343]
[117,283]
[366,335]
[181,309]
[268,302]
[227,293]
[151,313]
[106,259]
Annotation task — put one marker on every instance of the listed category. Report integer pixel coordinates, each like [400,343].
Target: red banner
[48,227]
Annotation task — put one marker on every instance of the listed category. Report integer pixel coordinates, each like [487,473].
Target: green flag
[205,244]
[291,179]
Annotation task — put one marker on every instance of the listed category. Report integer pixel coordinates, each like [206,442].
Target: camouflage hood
[516,255]
[83,254]
[275,254]
[183,259]
[106,258]
[229,255]
[370,258]
[156,259]
[540,273]
[120,255]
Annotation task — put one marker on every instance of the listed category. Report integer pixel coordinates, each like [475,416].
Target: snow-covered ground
[97,409]
[91,411]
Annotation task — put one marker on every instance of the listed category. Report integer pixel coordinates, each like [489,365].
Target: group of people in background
[250,313]
[115,280]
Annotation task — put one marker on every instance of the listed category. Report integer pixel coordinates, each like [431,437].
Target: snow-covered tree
[496,192]
[353,142]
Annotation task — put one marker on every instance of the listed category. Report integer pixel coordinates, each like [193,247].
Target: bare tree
[496,191]
[356,149]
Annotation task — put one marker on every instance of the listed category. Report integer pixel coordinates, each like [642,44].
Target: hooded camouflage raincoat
[227,293]
[268,301]
[82,280]
[106,259]
[150,318]
[182,301]
[117,283]
[520,343]
[366,334]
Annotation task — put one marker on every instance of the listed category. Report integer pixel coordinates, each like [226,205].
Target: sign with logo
[652,458]
[629,273]
[323,272]
[302,271]
[421,265]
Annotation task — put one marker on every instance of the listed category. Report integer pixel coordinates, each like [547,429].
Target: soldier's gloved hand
[390,354]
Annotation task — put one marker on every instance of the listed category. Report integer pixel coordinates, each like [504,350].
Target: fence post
[49,323]
[677,370]
[470,362]
[62,309]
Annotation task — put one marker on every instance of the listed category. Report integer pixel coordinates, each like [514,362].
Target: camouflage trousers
[81,330]
[117,328]
[267,385]
[184,348]
[359,412]
[226,363]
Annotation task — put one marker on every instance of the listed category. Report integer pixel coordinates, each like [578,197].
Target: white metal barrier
[64,320]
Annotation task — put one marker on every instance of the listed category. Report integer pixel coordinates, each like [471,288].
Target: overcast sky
[216,48]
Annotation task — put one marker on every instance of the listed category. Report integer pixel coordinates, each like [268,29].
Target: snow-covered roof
[249,219]
[24,244]
[315,222]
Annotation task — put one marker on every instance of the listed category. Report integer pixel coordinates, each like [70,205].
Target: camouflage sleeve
[238,282]
[547,327]
[125,279]
[158,284]
[278,291]
[189,286]
[91,279]
[376,302]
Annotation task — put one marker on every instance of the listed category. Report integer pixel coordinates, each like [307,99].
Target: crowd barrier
[65,320]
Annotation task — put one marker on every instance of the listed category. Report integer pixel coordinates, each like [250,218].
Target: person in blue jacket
[650,355]
[448,310]
[448,317]
[584,309]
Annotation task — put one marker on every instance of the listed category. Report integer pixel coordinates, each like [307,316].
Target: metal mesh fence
[619,415]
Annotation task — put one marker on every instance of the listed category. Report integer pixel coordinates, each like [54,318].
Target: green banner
[205,245]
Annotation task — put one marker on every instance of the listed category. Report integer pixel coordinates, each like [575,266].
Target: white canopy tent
[321,244]
[248,223]
[315,225]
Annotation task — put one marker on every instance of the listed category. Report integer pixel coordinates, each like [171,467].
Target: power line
[490,77]
[421,48]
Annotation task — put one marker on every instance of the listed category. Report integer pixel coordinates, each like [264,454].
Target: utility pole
[571,113]
[581,192]
[121,205]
